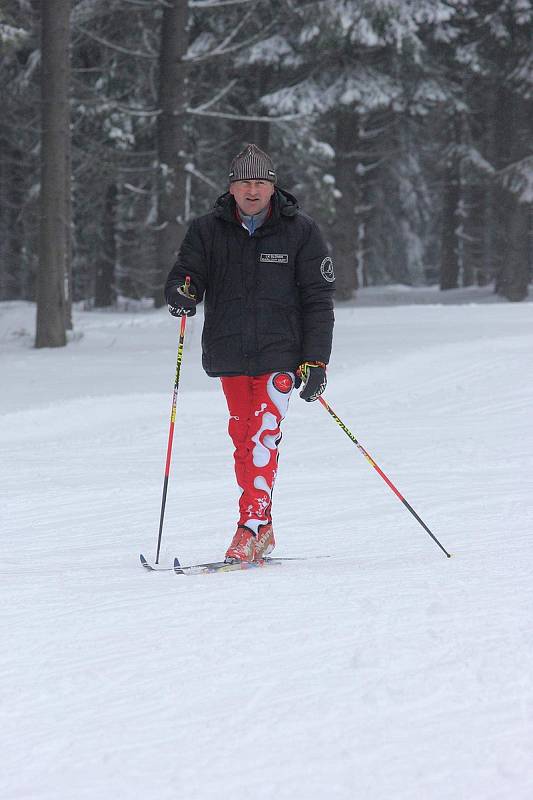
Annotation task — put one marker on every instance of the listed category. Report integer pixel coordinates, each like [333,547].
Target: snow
[365,86]
[273,51]
[385,671]
[518,178]
[203,43]
[427,94]
[11,36]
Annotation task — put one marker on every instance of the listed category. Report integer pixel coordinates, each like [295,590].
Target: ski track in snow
[385,671]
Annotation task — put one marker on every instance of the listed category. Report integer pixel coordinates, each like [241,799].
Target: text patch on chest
[275,258]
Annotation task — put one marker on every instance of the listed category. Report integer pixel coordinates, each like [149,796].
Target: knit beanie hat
[252,164]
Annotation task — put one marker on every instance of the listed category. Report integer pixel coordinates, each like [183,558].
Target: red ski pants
[257,405]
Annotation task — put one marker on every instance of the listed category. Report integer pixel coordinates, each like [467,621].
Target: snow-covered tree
[404,126]
[361,73]
[54,250]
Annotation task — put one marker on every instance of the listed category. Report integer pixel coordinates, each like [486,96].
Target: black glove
[313,376]
[181,301]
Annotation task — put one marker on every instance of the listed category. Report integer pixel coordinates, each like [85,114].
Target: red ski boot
[265,541]
[243,546]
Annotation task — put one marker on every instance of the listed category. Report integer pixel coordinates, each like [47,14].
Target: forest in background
[405,127]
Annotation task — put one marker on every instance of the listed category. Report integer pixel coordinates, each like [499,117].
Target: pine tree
[171,138]
[55,147]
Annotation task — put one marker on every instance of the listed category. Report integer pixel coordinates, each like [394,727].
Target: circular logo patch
[282,382]
[326,268]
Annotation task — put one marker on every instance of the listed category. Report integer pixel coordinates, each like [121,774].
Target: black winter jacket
[268,297]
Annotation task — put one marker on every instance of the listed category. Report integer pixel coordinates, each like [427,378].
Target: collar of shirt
[253,221]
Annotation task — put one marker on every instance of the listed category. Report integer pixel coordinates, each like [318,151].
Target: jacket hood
[283,203]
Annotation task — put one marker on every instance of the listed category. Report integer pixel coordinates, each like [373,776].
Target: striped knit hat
[252,164]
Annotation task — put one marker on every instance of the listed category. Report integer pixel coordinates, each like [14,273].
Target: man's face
[252,196]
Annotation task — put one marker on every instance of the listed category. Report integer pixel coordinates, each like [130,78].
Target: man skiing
[263,271]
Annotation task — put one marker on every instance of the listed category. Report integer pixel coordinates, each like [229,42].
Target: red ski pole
[380,472]
[171,429]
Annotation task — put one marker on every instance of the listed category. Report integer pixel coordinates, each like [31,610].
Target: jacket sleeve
[316,283]
[192,260]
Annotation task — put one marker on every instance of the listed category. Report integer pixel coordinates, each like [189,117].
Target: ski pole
[380,472]
[171,429]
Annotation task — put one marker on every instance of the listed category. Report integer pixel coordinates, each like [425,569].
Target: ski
[146,564]
[218,566]
[222,566]
[210,566]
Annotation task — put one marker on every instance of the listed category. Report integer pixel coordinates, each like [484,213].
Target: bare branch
[527,161]
[136,189]
[191,169]
[138,112]
[217,97]
[129,170]
[112,104]
[217,3]
[224,44]
[146,3]
[245,117]
[219,52]
[116,47]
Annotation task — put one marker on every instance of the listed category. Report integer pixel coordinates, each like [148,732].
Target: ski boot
[243,547]
[265,541]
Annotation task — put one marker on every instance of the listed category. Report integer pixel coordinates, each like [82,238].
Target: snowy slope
[386,671]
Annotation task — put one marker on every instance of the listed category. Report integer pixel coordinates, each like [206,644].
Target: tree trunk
[450,259]
[513,278]
[489,222]
[513,267]
[449,267]
[503,138]
[69,282]
[104,284]
[345,236]
[55,137]
[171,140]
[11,226]
[473,251]
[259,132]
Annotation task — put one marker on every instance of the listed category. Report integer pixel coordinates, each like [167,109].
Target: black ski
[220,566]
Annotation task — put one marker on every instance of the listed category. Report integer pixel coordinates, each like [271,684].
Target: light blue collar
[253,221]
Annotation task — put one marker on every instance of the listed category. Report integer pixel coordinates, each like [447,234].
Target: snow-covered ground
[386,671]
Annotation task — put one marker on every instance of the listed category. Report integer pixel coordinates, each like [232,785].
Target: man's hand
[182,302]
[313,376]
